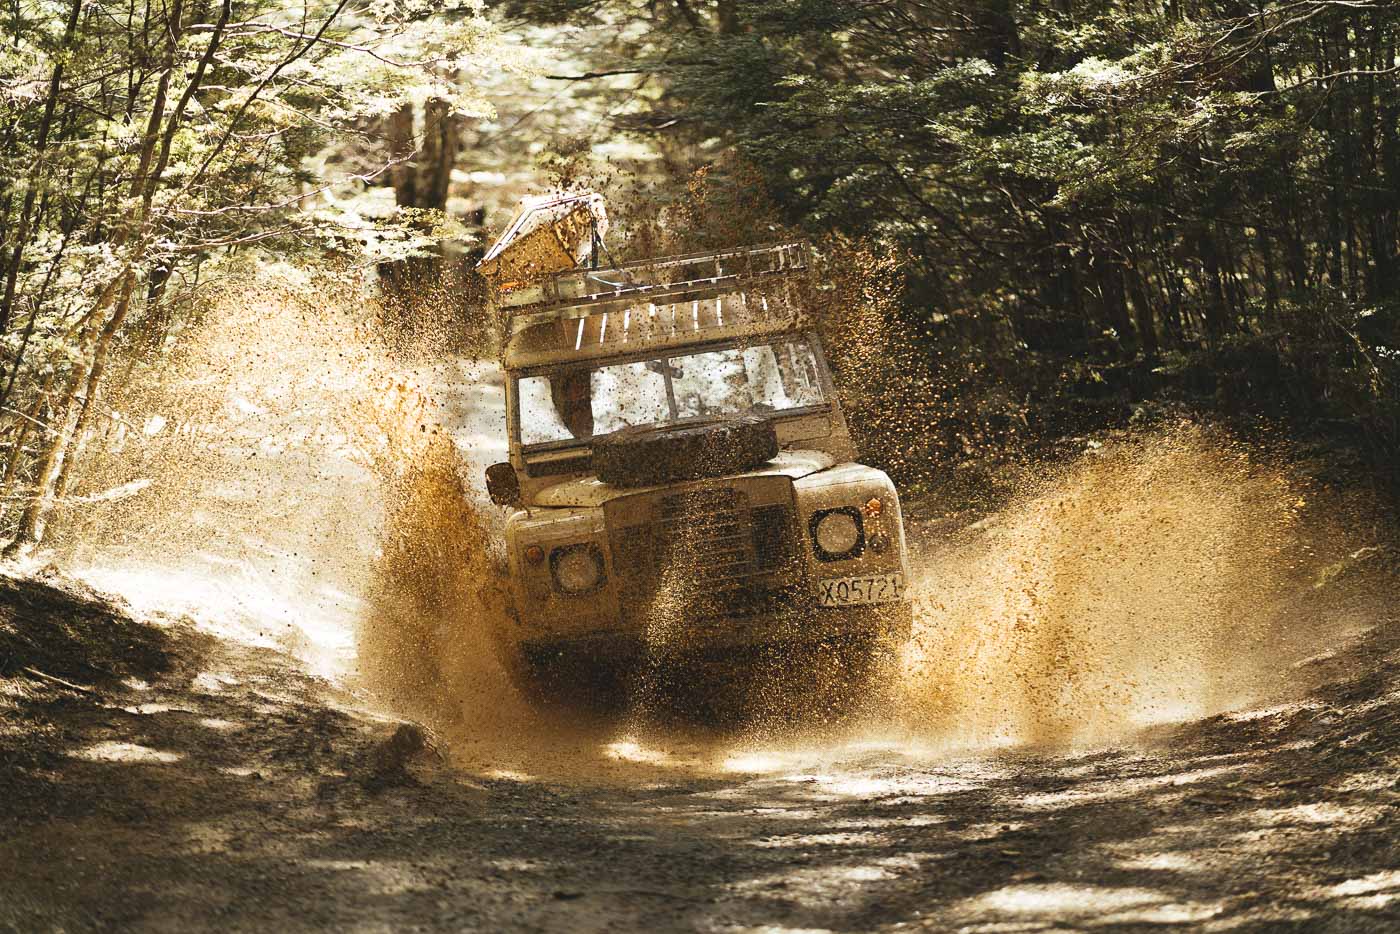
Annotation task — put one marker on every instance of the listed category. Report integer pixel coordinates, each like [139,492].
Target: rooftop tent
[549,234]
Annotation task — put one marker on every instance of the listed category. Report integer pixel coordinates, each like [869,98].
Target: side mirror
[503,485]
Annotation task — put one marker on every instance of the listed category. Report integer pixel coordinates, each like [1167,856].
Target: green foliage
[1121,183]
[142,146]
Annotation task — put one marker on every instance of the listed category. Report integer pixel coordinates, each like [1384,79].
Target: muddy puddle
[1154,581]
[294,481]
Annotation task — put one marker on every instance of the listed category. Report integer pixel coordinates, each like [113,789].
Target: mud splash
[291,474]
[240,480]
[1158,579]
[430,635]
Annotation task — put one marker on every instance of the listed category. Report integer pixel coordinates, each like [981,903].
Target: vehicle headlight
[838,533]
[577,568]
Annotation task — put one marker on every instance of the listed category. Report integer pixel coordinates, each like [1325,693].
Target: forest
[1098,208]
[951,486]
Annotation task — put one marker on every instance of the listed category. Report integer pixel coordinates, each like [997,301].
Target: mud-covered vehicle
[681,481]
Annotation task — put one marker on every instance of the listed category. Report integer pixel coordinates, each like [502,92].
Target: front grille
[710,552]
[773,538]
[706,532]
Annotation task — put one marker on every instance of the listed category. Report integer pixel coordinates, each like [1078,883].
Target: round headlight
[837,533]
[576,568]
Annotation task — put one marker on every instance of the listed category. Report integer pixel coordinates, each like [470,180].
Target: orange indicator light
[534,554]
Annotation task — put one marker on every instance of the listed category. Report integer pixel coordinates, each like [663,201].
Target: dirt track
[207,785]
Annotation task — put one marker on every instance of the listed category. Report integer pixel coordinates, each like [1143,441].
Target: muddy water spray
[287,453]
[1147,582]
[429,637]
[244,481]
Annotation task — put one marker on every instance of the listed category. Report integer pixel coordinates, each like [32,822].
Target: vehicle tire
[565,681]
[796,685]
[646,456]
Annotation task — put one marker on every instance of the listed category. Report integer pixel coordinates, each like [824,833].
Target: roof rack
[664,302]
[665,276]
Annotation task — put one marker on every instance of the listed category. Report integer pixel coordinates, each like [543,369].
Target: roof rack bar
[580,286]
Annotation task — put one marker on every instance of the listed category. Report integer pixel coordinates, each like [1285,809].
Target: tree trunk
[131,239]
[727,17]
[1146,327]
[41,144]
[419,290]
[1115,306]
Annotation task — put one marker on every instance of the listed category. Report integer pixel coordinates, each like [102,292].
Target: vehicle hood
[590,491]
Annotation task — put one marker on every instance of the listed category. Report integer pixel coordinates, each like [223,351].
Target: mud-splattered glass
[585,402]
[738,381]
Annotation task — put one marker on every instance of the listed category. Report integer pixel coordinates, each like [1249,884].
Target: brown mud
[202,784]
[1158,579]
[1160,686]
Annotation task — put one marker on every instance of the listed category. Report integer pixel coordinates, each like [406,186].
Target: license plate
[851,591]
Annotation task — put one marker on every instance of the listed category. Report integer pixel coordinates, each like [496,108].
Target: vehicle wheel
[645,455]
[797,685]
[565,680]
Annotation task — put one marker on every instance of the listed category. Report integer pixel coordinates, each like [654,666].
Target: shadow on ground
[158,779]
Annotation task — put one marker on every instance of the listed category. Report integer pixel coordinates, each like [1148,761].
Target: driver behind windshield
[581,402]
[572,395]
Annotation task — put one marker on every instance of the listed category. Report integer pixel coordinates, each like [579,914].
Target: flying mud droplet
[1151,581]
[287,467]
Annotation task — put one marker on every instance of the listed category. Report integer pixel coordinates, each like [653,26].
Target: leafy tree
[1102,200]
[147,145]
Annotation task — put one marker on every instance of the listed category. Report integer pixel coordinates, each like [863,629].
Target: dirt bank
[156,778]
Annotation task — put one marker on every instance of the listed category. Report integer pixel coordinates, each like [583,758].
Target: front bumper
[800,625]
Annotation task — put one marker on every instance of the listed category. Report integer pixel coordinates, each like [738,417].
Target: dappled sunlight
[211,682]
[629,750]
[378,877]
[1322,813]
[1036,755]
[272,775]
[265,604]
[1087,904]
[944,467]
[150,708]
[864,744]
[1377,890]
[832,884]
[130,753]
[829,838]
[1270,711]
[238,771]
[1120,787]
[1172,861]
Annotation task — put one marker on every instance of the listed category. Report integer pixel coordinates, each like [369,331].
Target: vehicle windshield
[585,402]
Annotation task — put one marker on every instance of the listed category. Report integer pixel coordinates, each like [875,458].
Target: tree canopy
[1092,207]
[1193,195]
